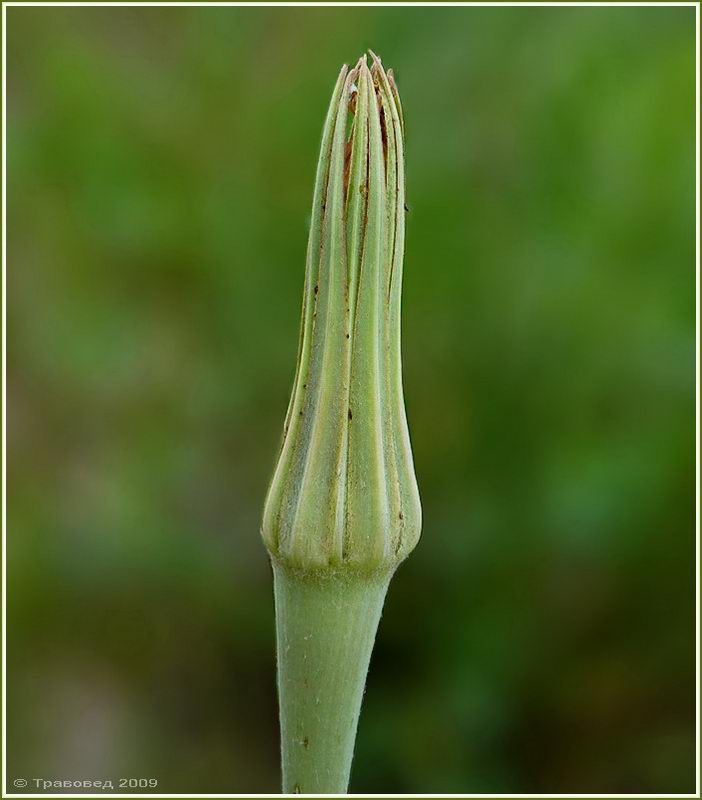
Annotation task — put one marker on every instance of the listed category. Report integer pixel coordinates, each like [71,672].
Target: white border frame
[5,6]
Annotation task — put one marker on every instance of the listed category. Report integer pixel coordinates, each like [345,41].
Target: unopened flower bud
[344,494]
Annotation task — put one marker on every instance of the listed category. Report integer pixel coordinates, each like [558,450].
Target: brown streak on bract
[384,138]
[347,164]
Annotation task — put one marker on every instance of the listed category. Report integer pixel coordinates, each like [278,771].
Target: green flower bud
[344,494]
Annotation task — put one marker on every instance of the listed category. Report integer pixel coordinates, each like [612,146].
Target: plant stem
[325,628]
[343,510]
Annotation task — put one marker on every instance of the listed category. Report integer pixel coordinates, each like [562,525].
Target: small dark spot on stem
[401,515]
[347,335]
[350,415]
[407,208]
[316,288]
[305,743]
[304,385]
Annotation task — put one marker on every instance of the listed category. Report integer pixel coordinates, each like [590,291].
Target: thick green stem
[326,628]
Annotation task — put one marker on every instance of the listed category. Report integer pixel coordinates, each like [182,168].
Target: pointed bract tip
[363,67]
[377,69]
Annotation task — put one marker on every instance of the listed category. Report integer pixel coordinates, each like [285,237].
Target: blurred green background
[160,169]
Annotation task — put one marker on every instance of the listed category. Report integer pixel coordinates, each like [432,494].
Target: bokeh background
[160,168]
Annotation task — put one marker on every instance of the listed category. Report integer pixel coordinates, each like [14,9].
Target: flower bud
[344,494]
